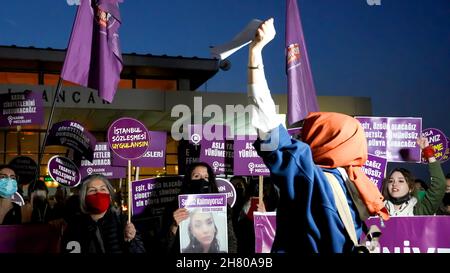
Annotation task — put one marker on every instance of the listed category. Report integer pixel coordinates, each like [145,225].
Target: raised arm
[264,34]
[264,115]
[434,195]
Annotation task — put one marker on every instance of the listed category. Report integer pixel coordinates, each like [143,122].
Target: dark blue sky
[397,53]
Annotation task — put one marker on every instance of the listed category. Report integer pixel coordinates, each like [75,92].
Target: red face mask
[98,203]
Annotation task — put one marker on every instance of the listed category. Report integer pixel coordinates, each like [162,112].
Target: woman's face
[397,185]
[95,186]
[200,172]
[202,227]
[7,172]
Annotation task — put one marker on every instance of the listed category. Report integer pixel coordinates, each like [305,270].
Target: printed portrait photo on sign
[204,231]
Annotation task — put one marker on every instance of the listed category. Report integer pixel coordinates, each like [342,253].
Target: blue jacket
[307,218]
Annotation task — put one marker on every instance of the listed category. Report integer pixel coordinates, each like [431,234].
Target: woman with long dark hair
[202,232]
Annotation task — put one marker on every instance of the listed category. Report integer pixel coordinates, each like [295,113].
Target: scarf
[338,140]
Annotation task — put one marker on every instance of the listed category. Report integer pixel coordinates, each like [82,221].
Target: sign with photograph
[205,230]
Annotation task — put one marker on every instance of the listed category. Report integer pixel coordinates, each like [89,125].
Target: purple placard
[438,140]
[214,149]
[402,139]
[202,200]
[26,169]
[64,171]
[265,225]
[101,164]
[226,187]
[74,135]
[295,132]
[154,194]
[417,234]
[375,169]
[22,108]
[246,160]
[215,153]
[447,151]
[393,138]
[128,138]
[155,155]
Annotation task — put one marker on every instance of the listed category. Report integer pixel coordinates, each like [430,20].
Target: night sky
[397,53]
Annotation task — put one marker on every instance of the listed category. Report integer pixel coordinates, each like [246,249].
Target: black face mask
[400,200]
[446,200]
[196,186]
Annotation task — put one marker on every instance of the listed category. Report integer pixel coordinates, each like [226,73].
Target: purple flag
[302,97]
[93,57]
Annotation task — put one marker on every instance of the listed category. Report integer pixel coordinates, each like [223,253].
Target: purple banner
[417,234]
[93,57]
[128,138]
[302,97]
[152,195]
[64,171]
[265,225]
[74,135]
[438,140]
[155,155]
[226,187]
[26,169]
[23,108]
[375,169]
[101,164]
[29,239]
[246,160]
[393,138]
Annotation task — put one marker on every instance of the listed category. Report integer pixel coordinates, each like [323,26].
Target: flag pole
[130,205]
[261,186]
[50,118]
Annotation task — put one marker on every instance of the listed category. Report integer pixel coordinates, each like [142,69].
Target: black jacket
[84,235]
[13,216]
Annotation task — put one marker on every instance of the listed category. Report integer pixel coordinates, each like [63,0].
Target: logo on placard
[377,152]
[89,171]
[195,138]
[251,166]
[215,165]
[10,119]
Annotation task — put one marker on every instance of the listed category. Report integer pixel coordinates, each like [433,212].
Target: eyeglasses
[12,176]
